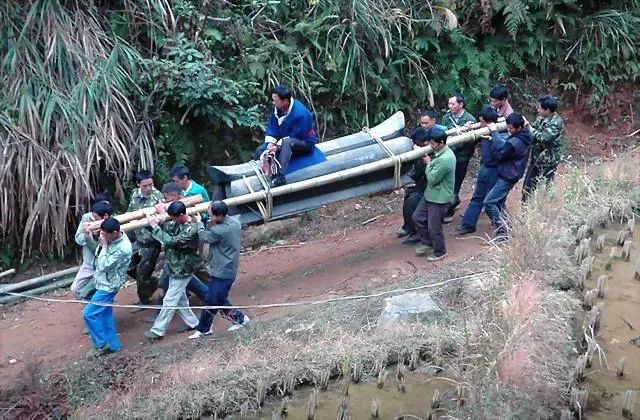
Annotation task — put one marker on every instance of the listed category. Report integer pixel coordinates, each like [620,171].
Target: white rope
[397,163]
[269,305]
[266,210]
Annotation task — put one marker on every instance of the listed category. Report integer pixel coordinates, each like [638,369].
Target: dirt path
[349,261]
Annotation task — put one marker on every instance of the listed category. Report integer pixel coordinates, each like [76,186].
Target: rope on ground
[263,306]
[266,210]
[397,163]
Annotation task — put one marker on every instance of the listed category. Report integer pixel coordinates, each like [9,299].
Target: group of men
[529,150]
[534,149]
[108,258]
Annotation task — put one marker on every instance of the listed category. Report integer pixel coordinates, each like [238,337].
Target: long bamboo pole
[37,280]
[4,300]
[147,211]
[326,179]
[8,272]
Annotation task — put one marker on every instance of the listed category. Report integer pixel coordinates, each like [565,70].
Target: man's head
[180,175]
[144,179]
[488,115]
[110,229]
[218,211]
[428,119]
[178,212]
[456,103]
[498,96]
[101,210]
[547,105]
[281,97]
[515,122]
[420,137]
[172,192]
[103,196]
[437,139]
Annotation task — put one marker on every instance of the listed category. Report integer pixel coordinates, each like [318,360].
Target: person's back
[225,252]
[513,155]
[182,249]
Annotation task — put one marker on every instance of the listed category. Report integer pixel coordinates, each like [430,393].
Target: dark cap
[101,208]
[110,225]
[177,208]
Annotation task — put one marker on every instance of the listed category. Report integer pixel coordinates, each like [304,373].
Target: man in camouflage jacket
[180,239]
[548,144]
[146,195]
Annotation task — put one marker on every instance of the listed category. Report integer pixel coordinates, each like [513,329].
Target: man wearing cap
[432,208]
[112,261]
[180,239]
[146,195]
[412,195]
[101,210]
[224,237]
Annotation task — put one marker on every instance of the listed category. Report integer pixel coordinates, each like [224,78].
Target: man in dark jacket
[511,159]
[290,132]
[487,175]
[413,194]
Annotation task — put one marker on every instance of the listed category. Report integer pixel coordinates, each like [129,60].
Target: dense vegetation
[93,89]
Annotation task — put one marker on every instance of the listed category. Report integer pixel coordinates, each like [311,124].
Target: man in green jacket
[112,259]
[180,239]
[455,118]
[431,210]
[146,195]
[548,144]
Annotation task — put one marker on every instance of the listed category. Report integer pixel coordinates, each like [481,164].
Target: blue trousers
[493,204]
[487,178]
[218,295]
[100,321]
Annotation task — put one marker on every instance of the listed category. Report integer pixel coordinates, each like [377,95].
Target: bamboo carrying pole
[147,211]
[326,179]
[37,280]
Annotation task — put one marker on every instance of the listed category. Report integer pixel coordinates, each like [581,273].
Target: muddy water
[621,300]
[415,401]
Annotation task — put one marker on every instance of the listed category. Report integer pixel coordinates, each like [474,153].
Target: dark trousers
[494,204]
[412,197]
[461,171]
[288,148]
[218,295]
[487,178]
[428,221]
[145,282]
[534,175]
[195,285]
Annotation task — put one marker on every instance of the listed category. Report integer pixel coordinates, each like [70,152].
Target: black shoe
[412,239]
[448,217]
[278,181]
[465,230]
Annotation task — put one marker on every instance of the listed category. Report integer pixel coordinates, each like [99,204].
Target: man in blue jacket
[511,160]
[290,132]
[487,175]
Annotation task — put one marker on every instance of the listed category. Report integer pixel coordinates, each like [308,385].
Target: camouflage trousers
[144,280]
